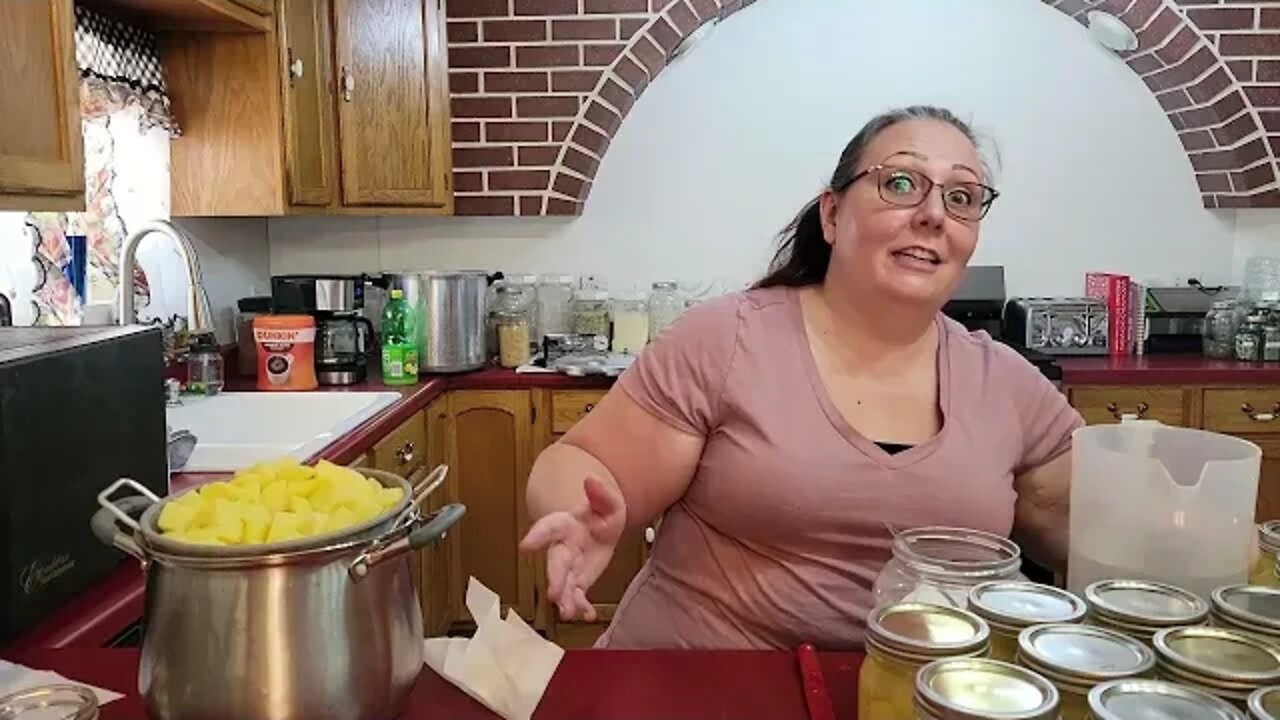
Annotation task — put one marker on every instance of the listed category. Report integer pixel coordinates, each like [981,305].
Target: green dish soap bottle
[399,341]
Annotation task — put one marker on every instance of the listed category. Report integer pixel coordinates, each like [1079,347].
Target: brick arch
[540,87]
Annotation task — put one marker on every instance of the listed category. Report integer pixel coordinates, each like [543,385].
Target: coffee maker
[344,336]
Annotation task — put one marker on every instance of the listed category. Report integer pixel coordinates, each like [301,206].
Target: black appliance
[79,408]
[978,303]
[344,337]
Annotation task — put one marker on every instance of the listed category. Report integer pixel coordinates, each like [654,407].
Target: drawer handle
[650,535]
[1139,412]
[405,454]
[1256,416]
[588,408]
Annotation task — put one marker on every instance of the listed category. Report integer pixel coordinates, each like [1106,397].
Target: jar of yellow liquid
[1011,606]
[1251,608]
[981,689]
[1228,664]
[903,638]
[1139,608]
[1076,658]
[1156,699]
[1263,571]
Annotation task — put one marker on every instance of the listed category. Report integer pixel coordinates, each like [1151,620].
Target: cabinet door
[389,57]
[439,564]
[490,456]
[40,143]
[305,49]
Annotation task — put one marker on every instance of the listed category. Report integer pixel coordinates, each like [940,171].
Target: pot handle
[433,531]
[105,527]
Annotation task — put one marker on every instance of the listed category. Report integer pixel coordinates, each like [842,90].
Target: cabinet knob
[1256,416]
[295,67]
[348,84]
[588,407]
[405,453]
[1137,413]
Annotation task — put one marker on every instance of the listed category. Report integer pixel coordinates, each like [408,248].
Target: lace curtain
[125,113]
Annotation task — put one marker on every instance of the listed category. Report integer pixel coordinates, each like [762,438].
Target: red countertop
[1172,369]
[588,685]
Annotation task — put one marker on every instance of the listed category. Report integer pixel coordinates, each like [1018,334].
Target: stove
[978,304]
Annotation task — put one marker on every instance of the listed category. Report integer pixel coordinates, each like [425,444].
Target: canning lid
[1269,536]
[1080,656]
[957,554]
[1227,663]
[920,632]
[1141,604]
[65,701]
[1248,607]
[1012,605]
[1147,699]
[979,689]
[1264,704]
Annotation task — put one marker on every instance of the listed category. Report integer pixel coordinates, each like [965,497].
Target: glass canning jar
[1139,608]
[1009,607]
[1251,608]
[902,638]
[1228,664]
[940,565]
[1130,699]
[1075,658]
[981,689]
[1263,571]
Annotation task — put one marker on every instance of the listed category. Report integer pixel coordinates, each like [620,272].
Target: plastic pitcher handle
[1256,416]
[1137,413]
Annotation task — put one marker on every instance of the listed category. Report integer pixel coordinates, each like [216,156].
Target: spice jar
[1150,699]
[1263,571]
[204,366]
[555,294]
[1251,608]
[901,639]
[1009,607]
[591,312]
[1249,338]
[1075,658]
[630,324]
[63,701]
[1264,704]
[665,305]
[1225,663]
[940,565]
[978,689]
[1139,608]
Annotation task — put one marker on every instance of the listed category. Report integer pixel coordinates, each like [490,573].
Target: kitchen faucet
[198,319]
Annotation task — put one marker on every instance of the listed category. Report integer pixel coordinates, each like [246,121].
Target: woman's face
[909,254]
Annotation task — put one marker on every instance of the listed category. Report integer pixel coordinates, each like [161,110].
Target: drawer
[1251,410]
[570,406]
[405,449]
[1102,404]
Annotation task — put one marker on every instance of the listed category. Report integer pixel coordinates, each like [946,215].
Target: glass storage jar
[63,701]
[980,689]
[555,294]
[1229,664]
[1152,699]
[940,565]
[591,312]
[1249,338]
[1139,608]
[1263,571]
[630,324]
[1220,330]
[1009,607]
[1075,658]
[901,639]
[1264,704]
[665,305]
[205,367]
[1251,608]
[509,320]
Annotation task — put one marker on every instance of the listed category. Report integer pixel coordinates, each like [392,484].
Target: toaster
[1057,325]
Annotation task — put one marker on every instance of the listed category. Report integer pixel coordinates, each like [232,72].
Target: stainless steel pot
[322,627]
[451,317]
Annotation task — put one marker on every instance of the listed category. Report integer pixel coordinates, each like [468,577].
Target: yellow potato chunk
[284,526]
[203,536]
[340,518]
[389,496]
[303,488]
[176,516]
[275,497]
[220,489]
[255,531]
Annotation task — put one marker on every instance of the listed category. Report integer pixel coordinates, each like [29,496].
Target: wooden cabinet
[340,107]
[41,155]
[490,455]
[1107,404]
[193,15]
[441,586]
[557,411]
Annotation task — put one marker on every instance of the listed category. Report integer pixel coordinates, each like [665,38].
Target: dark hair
[803,253]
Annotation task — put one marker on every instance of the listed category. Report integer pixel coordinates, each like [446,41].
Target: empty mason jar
[941,565]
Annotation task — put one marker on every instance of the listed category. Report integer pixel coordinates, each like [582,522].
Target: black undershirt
[893,448]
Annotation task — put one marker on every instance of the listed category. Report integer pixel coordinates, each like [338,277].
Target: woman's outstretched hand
[579,545]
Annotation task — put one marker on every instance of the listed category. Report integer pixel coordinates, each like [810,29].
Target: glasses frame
[991,192]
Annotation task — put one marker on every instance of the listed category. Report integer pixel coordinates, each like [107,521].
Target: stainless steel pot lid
[1080,655]
[1145,603]
[1156,700]
[1019,604]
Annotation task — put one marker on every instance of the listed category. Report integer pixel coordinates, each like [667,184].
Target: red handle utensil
[815,685]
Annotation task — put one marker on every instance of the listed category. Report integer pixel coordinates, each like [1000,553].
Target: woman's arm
[1042,512]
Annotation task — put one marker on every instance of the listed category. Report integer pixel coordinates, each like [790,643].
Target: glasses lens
[967,200]
[900,186]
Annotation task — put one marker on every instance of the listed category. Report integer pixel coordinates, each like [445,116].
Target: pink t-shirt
[782,531]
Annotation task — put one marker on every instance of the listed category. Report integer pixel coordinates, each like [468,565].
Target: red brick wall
[541,86]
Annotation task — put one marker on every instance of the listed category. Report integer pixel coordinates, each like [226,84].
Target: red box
[1113,289]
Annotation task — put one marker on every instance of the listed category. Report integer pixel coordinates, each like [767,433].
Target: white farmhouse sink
[235,430]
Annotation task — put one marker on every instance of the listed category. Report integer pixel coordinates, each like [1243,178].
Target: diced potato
[226,512]
[374,484]
[275,497]
[255,530]
[340,518]
[284,526]
[300,507]
[230,533]
[303,488]
[191,497]
[319,523]
[389,496]
[247,477]
[203,536]
[176,517]
[364,509]
[324,499]
[295,473]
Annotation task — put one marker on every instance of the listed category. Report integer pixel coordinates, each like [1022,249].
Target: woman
[778,432]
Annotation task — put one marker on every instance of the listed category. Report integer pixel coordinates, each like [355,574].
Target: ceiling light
[1111,32]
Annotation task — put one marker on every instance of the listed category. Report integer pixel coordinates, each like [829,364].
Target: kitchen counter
[1172,369]
[588,685]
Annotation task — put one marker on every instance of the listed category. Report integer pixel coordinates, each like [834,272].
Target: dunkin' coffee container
[286,352]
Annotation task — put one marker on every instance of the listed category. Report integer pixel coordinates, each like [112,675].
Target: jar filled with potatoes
[275,502]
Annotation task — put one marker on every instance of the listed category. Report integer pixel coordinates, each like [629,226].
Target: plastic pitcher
[1154,502]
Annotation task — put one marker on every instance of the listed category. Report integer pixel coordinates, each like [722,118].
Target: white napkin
[14,677]
[505,666]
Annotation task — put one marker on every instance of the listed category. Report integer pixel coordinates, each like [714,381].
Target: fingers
[603,500]
[584,605]
[560,561]
[549,529]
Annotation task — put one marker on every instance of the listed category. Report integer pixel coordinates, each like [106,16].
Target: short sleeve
[680,376]
[1045,417]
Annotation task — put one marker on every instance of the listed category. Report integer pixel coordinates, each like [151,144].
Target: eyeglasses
[965,201]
